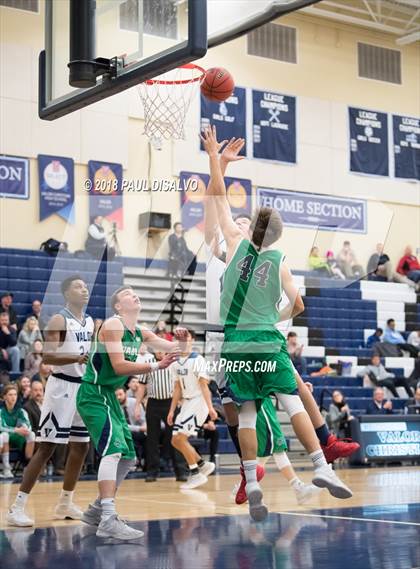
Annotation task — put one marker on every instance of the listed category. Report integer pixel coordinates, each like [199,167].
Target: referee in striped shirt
[159,387]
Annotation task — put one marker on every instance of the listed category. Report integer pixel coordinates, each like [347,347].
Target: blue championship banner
[14,177]
[105,197]
[274,126]
[329,213]
[228,116]
[368,142]
[406,136]
[238,192]
[56,187]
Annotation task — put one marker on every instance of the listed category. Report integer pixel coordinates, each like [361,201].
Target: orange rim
[179,81]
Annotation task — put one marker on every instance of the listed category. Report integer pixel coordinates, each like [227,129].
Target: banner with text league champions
[103,198]
[406,133]
[56,187]
[315,211]
[228,116]
[238,191]
[274,126]
[368,142]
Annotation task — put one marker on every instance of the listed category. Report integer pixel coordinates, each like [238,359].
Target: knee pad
[292,404]
[248,415]
[108,467]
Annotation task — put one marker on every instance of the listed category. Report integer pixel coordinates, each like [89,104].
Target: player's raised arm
[160,344]
[54,337]
[211,221]
[295,305]
[111,335]
[217,188]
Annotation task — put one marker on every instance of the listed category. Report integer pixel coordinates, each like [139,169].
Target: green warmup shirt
[9,420]
[257,361]
[96,400]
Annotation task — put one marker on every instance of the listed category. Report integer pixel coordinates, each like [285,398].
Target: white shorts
[192,416]
[60,421]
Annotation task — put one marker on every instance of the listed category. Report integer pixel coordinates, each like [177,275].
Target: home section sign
[315,211]
[14,177]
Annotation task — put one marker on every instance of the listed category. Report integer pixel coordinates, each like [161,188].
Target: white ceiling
[398,17]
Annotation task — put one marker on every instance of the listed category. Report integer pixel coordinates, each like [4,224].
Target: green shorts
[269,434]
[101,412]
[17,441]
[257,364]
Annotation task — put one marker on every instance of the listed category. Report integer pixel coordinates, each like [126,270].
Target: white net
[166,100]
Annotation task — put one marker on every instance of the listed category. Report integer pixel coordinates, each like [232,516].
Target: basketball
[218,84]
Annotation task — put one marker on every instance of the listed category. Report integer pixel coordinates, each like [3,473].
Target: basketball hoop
[166,100]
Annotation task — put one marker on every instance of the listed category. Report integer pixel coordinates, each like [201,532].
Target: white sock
[318,458]
[295,483]
[97,503]
[6,460]
[250,469]
[193,469]
[21,500]
[108,508]
[66,497]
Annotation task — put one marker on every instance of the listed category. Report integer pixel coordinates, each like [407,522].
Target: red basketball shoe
[241,496]
[338,448]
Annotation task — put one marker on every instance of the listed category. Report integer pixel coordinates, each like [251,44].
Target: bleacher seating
[35,275]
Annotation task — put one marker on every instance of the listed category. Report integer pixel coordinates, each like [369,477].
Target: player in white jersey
[191,386]
[66,349]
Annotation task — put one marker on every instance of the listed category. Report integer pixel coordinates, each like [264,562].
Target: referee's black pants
[156,411]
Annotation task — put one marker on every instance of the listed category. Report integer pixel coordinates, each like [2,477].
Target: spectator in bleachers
[37,313]
[137,426]
[132,385]
[392,336]
[181,259]
[379,405]
[96,243]
[162,330]
[34,404]
[24,389]
[339,415]
[8,340]
[6,300]
[379,265]
[144,356]
[318,264]
[414,339]
[15,428]
[34,358]
[347,261]
[413,405]
[27,336]
[376,373]
[414,378]
[409,265]
[374,338]
[332,264]
[43,373]
[295,352]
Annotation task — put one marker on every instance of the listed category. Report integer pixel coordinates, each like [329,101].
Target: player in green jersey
[257,362]
[111,360]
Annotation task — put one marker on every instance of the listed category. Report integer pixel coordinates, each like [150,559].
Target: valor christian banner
[313,210]
[368,142]
[238,191]
[105,192]
[274,126]
[56,187]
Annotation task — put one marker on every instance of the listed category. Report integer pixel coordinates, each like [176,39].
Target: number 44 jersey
[252,288]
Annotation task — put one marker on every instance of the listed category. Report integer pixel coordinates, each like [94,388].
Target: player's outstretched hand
[168,359]
[170,419]
[209,140]
[181,334]
[83,359]
[232,149]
